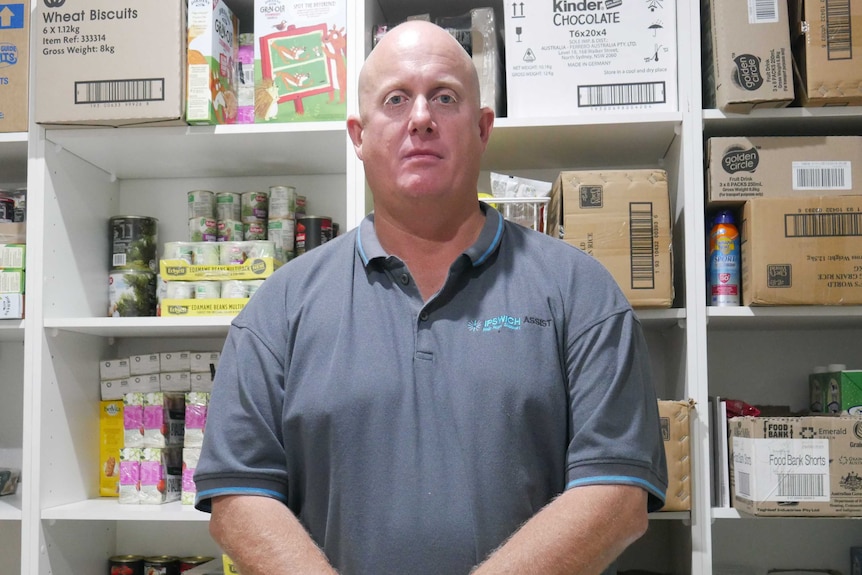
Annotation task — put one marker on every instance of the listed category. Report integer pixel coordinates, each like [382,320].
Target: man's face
[421,133]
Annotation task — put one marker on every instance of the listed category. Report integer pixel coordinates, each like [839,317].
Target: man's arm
[262,536]
[580,532]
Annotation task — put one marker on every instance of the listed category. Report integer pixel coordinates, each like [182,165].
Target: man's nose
[420,116]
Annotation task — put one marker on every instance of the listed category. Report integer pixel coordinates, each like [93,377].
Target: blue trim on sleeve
[210,493]
[481,259]
[621,479]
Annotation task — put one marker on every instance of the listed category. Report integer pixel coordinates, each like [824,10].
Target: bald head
[417,37]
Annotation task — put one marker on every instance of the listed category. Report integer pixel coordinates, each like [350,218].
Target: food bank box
[749,55]
[741,168]
[110,62]
[796,466]
[587,57]
[14,66]
[300,61]
[213,49]
[676,434]
[622,218]
[827,39]
[798,251]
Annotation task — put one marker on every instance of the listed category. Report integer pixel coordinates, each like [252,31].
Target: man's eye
[395,100]
[446,98]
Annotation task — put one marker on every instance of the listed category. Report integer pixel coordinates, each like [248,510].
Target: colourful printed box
[844,392]
[213,45]
[300,61]
[110,443]
[14,67]
[161,475]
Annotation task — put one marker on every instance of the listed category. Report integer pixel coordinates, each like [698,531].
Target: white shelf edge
[110,509]
[770,317]
[589,120]
[784,113]
[15,137]
[215,326]
[10,507]
[670,515]
[11,330]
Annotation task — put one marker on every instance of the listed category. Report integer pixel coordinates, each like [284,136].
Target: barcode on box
[839,44]
[800,485]
[642,246]
[743,485]
[593,96]
[822,175]
[120,91]
[119,260]
[822,225]
[762,11]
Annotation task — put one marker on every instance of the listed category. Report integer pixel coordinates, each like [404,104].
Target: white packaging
[191,455]
[204,361]
[175,381]
[11,306]
[175,360]
[145,383]
[196,418]
[133,421]
[588,57]
[114,369]
[144,364]
[202,381]
[114,389]
[130,476]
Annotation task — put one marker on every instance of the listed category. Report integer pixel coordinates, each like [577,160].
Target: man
[437,391]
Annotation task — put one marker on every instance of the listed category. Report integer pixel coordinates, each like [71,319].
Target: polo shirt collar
[368,246]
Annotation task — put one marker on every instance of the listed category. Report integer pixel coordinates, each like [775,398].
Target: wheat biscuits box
[14,66]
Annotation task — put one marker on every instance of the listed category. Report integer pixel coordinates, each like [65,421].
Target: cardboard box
[749,55]
[161,475]
[844,392]
[163,419]
[622,218]
[14,233]
[114,368]
[111,62]
[676,433]
[175,381]
[251,269]
[175,360]
[740,168]
[589,57]
[114,389]
[796,466]
[827,39]
[14,67]
[13,256]
[204,361]
[300,61]
[144,383]
[110,442]
[12,281]
[800,251]
[12,306]
[144,364]
[213,49]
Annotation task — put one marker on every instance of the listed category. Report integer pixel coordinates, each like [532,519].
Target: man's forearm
[262,536]
[581,532]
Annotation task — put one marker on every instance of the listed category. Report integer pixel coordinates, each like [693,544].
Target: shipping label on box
[827,39]
[111,62]
[750,54]
[674,417]
[14,66]
[802,251]
[587,57]
[213,48]
[796,466]
[622,218]
[300,61]
[741,168]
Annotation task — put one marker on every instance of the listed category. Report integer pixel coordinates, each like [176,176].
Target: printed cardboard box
[827,39]
[844,392]
[110,62]
[14,66]
[589,57]
[740,168]
[748,51]
[796,466]
[675,420]
[622,218]
[213,49]
[110,443]
[801,251]
[300,61]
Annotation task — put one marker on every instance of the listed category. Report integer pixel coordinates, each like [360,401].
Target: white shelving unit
[78,178]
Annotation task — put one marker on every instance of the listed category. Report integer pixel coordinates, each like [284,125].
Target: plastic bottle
[724,261]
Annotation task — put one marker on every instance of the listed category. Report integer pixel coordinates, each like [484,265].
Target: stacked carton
[12,275]
[14,50]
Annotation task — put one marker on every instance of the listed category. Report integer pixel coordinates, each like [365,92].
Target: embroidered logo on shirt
[500,322]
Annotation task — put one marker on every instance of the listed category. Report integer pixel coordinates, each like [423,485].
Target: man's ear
[354,130]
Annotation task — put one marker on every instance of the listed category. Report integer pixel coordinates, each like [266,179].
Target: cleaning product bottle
[724,261]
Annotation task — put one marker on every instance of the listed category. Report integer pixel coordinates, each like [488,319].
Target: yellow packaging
[227,565]
[110,443]
[250,269]
[202,307]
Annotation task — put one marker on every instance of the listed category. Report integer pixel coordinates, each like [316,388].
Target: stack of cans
[202,222]
[255,212]
[229,217]
[281,226]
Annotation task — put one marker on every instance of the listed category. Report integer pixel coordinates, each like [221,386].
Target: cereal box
[213,44]
[300,61]
[110,443]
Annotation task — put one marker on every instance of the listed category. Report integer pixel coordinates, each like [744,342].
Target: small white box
[144,383]
[144,364]
[590,57]
[175,360]
[175,381]
[202,381]
[113,389]
[204,361]
[114,369]
[11,306]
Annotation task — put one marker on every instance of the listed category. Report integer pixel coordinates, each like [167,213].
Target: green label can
[134,241]
[131,293]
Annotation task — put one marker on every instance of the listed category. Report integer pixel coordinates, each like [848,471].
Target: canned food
[207,289]
[234,289]
[201,204]
[131,293]
[231,253]
[179,290]
[205,253]
[187,563]
[281,233]
[229,231]
[20,198]
[179,251]
[7,209]
[252,286]
[254,230]
[229,206]
[202,229]
[260,249]
[126,565]
[134,242]
[162,565]
[311,232]
[255,207]
[282,202]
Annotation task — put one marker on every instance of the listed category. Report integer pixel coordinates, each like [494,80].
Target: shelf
[109,509]
[835,121]
[13,158]
[11,330]
[10,507]
[143,326]
[210,151]
[784,317]
[660,318]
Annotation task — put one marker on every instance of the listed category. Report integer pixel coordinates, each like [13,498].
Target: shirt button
[405,279]
[423,316]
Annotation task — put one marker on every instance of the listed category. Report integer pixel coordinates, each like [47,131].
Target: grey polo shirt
[415,437]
